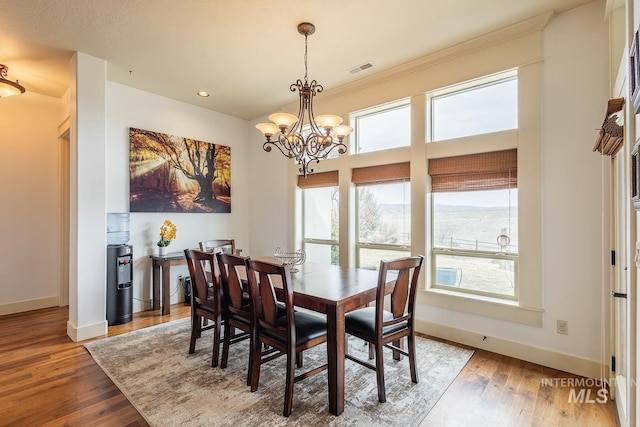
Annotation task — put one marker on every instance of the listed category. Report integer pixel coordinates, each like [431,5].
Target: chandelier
[310,141]
[7,87]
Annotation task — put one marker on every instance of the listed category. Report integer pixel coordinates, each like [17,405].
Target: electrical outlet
[563,327]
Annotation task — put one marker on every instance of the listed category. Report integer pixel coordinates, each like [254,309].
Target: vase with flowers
[168,232]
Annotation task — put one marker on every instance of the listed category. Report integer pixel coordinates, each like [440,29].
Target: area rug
[170,387]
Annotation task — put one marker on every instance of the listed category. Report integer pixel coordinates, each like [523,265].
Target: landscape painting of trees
[176,174]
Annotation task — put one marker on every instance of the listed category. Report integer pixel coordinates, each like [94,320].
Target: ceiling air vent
[360,68]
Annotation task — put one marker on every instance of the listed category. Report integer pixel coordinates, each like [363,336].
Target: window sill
[511,311]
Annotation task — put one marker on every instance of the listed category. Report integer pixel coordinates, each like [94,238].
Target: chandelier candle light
[290,133]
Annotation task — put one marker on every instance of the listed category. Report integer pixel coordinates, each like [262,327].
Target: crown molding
[519,29]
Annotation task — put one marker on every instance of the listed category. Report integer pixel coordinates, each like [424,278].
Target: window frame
[435,251]
[376,246]
[355,119]
[461,88]
[311,240]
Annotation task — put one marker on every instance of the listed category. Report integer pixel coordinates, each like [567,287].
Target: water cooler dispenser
[119,269]
[119,280]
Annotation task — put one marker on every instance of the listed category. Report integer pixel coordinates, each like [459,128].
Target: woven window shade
[484,171]
[320,179]
[382,173]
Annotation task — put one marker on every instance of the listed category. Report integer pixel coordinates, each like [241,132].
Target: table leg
[155,298]
[166,276]
[335,358]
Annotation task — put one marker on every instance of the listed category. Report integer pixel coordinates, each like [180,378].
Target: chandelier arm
[293,143]
[267,147]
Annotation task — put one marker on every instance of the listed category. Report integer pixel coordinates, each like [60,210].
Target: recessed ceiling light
[203,94]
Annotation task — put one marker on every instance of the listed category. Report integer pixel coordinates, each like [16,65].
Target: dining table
[334,290]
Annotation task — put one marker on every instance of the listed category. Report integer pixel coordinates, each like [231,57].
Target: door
[623,271]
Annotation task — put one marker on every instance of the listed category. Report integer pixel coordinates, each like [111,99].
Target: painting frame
[169,173]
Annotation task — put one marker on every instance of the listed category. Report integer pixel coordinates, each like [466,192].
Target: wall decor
[634,73]
[611,134]
[176,174]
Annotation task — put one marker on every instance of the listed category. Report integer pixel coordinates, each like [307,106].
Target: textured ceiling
[246,53]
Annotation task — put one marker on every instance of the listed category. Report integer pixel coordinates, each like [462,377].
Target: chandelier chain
[305,58]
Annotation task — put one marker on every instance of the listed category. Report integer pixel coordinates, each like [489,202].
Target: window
[383,199]
[383,128]
[474,231]
[320,207]
[482,108]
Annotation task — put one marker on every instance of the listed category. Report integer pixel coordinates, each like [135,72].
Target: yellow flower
[168,232]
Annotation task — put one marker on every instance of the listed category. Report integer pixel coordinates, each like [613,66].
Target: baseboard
[541,356]
[87,332]
[35,304]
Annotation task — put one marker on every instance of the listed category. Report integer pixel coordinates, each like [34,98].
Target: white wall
[574,177]
[30,208]
[270,221]
[128,107]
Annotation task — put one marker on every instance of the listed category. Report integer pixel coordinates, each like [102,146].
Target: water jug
[117,228]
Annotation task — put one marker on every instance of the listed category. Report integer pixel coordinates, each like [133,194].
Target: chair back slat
[400,293]
[230,267]
[268,299]
[262,276]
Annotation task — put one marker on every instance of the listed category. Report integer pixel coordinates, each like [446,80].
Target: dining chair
[236,306]
[225,245]
[215,246]
[386,328]
[289,334]
[205,299]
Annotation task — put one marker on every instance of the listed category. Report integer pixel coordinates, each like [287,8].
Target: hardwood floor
[47,379]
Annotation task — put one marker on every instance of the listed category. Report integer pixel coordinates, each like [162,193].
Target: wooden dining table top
[317,285]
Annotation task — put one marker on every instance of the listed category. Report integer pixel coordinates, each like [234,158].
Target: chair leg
[225,346]
[288,392]
[216,342]
[396,354]
[255,368]
[299,359]
[195,332]
[412,357]
[252,348]
[382,395]
[372,350]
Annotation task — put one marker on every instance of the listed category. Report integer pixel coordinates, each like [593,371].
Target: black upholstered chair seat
[363,322]
[308,327]
[207,308]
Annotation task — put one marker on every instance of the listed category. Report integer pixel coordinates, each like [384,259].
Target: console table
[161,272]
